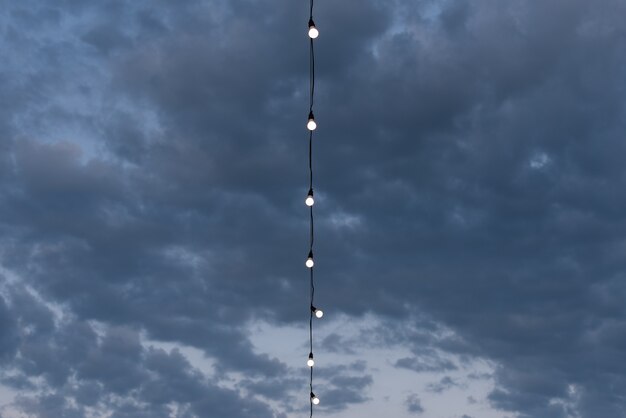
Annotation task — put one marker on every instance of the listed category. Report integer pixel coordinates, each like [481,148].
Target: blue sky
[470,230]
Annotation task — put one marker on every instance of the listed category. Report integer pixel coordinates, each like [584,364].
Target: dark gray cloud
[444,384]
[9,337]
[470,163]
[84,371]
[414,405]
[344,384]
[429,364]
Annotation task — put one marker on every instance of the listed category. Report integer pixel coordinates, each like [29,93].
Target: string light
[317,312]
[310,201]
[313,32]
[309,261]
[311,125]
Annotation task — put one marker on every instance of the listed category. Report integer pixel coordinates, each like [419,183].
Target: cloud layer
[469,162]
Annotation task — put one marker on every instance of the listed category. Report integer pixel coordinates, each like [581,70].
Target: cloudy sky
[470,233]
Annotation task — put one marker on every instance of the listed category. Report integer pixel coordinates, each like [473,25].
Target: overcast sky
[470,209]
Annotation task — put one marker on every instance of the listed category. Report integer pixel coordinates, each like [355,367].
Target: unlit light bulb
[310,362]
[309,261]
[313,32]
[311,125]
[314,399]
[309,199]
[318,312]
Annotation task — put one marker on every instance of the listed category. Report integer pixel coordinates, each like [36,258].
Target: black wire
[311,337]
[311,74]
[312,229]
[312,234]
[311,160]
[311,315]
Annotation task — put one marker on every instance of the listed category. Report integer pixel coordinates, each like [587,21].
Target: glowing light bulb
[309,261]
[313,32]
[310,362]
[314,399]
[311,125]
[309,198]
[317,312]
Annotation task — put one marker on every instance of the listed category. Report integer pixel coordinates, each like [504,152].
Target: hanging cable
[311,125]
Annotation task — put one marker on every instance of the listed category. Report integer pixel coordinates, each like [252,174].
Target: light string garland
[310,201]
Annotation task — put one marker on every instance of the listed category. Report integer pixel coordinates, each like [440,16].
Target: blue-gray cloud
[470,158]
[414,405]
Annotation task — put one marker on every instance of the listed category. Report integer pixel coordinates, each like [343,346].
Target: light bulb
[311,125]
[314,399]
[310,362]
[309,198]
[309,261]
[313,32]
[318,312]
